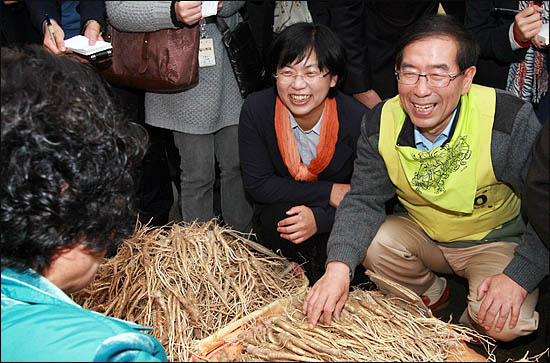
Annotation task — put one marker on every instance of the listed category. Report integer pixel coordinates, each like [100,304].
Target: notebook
[79,44]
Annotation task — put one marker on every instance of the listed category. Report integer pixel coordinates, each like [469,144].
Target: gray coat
[206,108]
[362,211]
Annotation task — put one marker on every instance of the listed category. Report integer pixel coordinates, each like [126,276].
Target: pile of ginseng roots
[372,328]
[189,281]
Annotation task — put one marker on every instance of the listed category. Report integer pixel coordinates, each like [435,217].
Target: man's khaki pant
[402,252]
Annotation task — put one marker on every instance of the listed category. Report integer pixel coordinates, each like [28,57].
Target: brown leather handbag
[162,61]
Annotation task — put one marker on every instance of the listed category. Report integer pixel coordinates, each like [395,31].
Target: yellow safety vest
[450,191]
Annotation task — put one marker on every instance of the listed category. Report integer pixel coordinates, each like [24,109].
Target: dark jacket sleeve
[260,177]
[324,218]
[515,128]
[490,29]
[89,10]
[536,201]
[38,10]
[92,10]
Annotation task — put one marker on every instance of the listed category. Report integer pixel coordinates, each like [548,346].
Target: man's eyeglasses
[308,77]
[433,79]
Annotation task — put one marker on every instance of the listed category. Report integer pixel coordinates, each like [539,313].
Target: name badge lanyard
[206,47]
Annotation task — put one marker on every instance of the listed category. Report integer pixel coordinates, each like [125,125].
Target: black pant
[159,167]
[311,254]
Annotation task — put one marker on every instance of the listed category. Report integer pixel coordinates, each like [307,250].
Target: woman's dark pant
[311,254]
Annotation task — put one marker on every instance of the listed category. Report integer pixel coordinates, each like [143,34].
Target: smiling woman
[303,88]
[297,144]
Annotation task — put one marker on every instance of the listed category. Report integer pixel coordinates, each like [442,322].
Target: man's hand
[501,296]
[527,23]
[188,12]
[369,98]
[93,32]
[328,295]
[337,193]
[59,47]
[299,226]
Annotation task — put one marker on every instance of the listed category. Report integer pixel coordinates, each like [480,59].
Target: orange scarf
[289,148]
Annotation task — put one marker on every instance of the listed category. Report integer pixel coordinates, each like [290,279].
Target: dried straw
[187,282]
[534,358]
[372,327]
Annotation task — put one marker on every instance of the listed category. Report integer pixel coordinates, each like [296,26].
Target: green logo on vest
[437,165]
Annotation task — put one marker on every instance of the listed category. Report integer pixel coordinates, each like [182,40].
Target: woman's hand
[300,226]
[188,12]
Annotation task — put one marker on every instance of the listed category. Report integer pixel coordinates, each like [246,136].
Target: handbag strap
[144,54]
[221,24]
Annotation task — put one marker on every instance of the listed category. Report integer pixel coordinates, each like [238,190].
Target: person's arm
[358,218]
[530,262]
[369,98]
[362,211]
[502,295]
[37,12]
[536,199]
[306,221]
[526,27]
[130,347]
[490,33]
[39,8]
[260,177]
[324,217]
[140,16]
[92,19]
[511,156]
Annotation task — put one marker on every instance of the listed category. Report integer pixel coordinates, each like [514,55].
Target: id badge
[206,53]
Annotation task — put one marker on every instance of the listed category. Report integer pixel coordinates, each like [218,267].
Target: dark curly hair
[67,159]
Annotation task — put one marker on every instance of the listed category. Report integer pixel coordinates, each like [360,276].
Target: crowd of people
[389,137]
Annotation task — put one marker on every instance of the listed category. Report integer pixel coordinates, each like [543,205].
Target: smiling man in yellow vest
[456,154]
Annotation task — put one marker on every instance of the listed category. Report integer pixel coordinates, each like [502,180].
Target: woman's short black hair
[298,41]
[67,160]
[440,25]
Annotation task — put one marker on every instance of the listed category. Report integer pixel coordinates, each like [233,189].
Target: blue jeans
[198,157]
